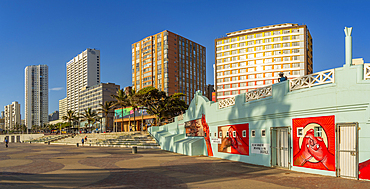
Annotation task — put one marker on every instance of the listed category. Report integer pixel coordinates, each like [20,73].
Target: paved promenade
[59,166]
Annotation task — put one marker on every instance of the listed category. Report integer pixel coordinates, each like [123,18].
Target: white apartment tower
[253,58]
[12,115]
[36,95]
[82,71]
[62,107]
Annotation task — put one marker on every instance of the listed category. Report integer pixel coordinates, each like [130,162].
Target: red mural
[364,170]
[206,136]
[234,139]
[314,142]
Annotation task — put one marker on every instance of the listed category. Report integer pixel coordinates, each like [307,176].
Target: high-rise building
[2,114]
[62,107]
[82,71]
[253,58]
[36,95]
[12,115]
[91,97]
[169,62]
[54,116]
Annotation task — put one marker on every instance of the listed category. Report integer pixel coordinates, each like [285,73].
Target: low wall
[19,137]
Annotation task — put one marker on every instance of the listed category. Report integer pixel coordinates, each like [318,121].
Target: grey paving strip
[61,166]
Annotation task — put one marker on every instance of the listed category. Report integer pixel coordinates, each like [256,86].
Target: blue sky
[53,32]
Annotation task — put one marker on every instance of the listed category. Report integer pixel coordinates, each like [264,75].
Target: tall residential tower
[36,95]
[253,58]
[82,71]
[169,62]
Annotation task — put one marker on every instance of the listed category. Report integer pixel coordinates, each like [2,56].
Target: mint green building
[318,123]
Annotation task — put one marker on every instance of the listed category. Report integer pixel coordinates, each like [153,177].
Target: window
[251,49]
[286,59]
[250,37]
[253,133]
[277,32]
[296,72]
[286,66]
[259,55]
[259,48]
[259,41]
[227,79]
[259,75]
[219,42]
[243,70]
[235,78]
[286,51]
[259,61]
[243,64]
[267,34]
[235,85]
[242,38]
[277,59]
[268,82]
[296,65]
[251,83]
[250,69]
[234,71]
[226,41]
[219,80]
[241,44]
[226,59]
[250,62]
[243,84]
[243,77]
[250,43]
[250,55]
[276,45]
[227,73]
[268,74]
[251,76]
[226,47]
[242,51]
[277,52]
[263,133]
[268,53]
[259,82]
[268,60]
[233,52]
[295,44]
[226,66]
[227,86]
[219,54]
[286,31]
[234,58]
[295,50]
[234,65]
[234,92]
[276,39]
[268,67]
[295,37]
[233,45]
[267,47]
[233,39]
[277,67]
[286,44]
[286,38]
[227,93]
[295,30]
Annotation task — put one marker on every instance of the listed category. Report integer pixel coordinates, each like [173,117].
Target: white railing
[258,93]
[366,71]
[226,102]
[180,117]
[311,80]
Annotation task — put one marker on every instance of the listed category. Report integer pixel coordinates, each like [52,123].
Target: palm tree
[89,115]
[106,109]
[70,117]
[122,100]
[132,101]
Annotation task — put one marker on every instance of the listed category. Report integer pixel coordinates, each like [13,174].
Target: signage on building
[214,96]
[216,140]
[260,148]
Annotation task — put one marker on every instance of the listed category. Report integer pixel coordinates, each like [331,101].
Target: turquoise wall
[347,99]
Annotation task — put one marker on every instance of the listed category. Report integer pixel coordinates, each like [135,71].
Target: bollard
[134,149]
[77,144]
[30,142]
[49,143]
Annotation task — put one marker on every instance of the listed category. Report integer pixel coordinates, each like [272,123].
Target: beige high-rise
[82,71]
[253,58]
[169,62]
[12,115]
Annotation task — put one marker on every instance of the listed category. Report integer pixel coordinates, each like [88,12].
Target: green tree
[106,110]
[159,104]
[122,100]
[70,117]
[133,100]
[89,115]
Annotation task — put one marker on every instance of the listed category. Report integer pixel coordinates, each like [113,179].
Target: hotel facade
[82,71]
[169,62]
[12,115]
[253,58]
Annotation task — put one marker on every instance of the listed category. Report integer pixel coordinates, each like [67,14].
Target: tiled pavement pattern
[61,166]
